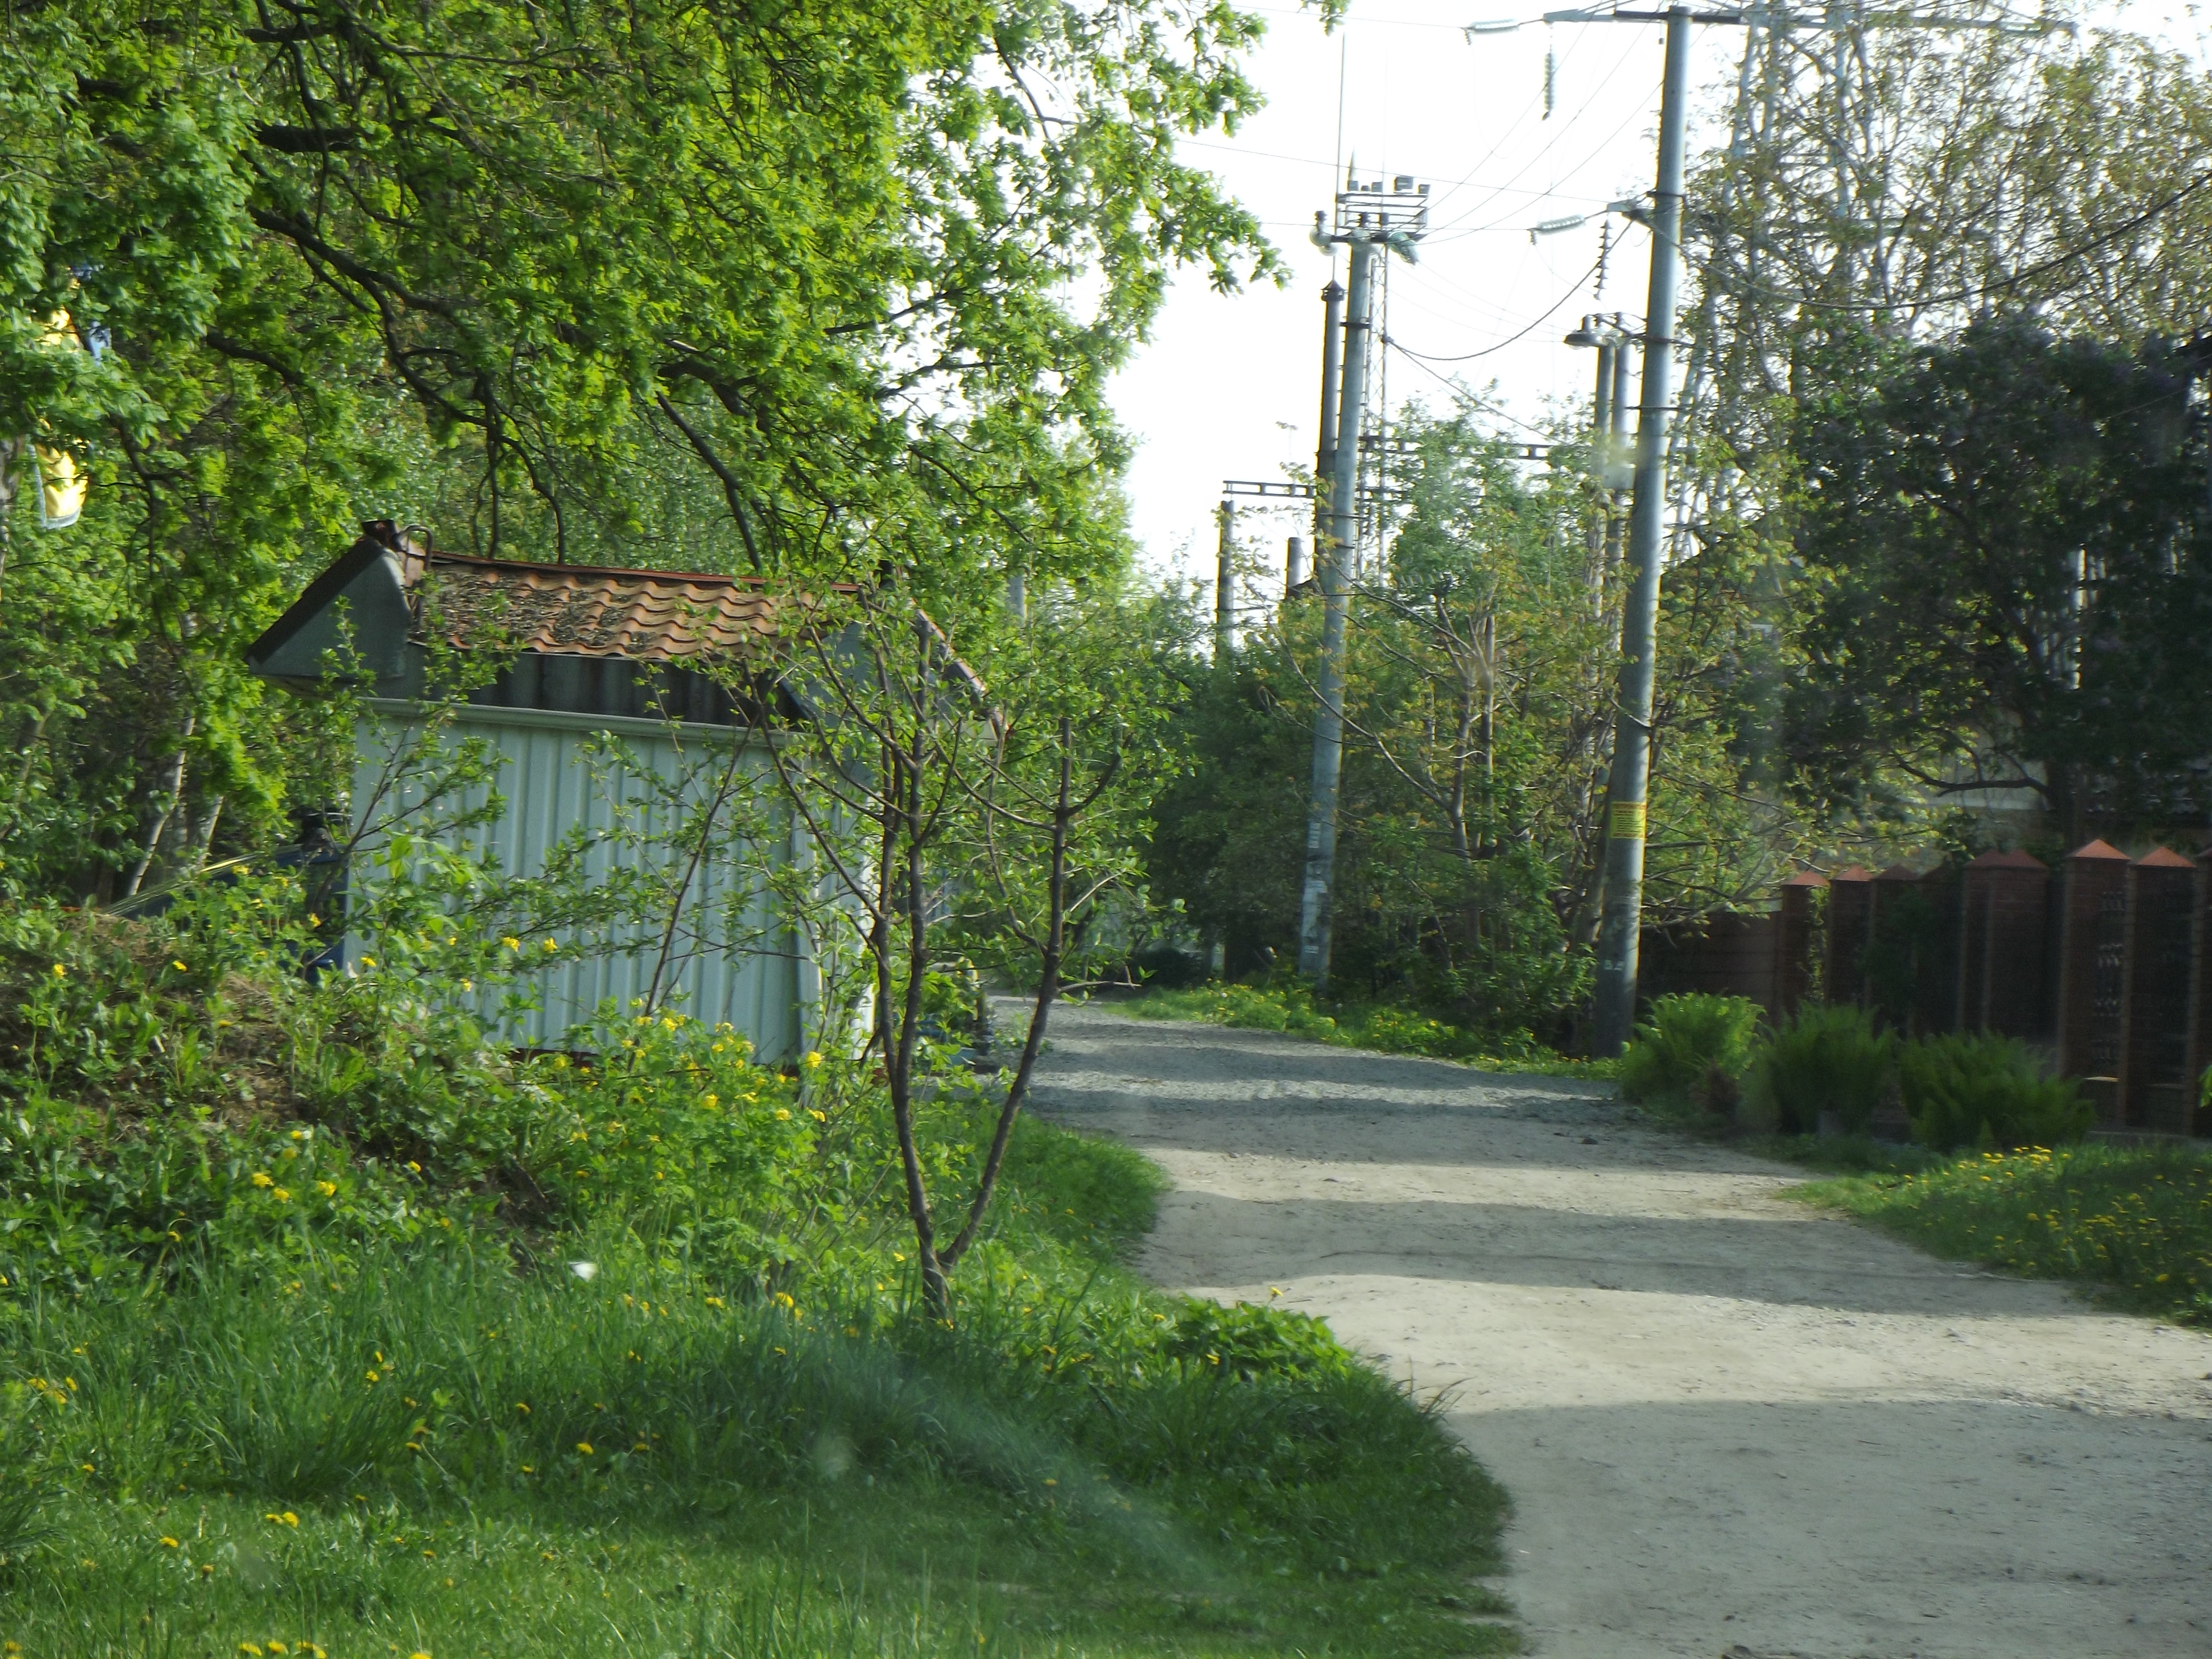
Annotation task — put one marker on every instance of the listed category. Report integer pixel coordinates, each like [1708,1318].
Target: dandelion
[327,1189]
[710,1102]
[585,1447]
[510,942]
[254,1650]
[782,1116]
[274,1646]
[369,962]
[280,1196]
[552,945]
[261,1178]
[207,1569]
[413,1168]
[715,1302]
[60,972]
[169,1543]
[523,1406]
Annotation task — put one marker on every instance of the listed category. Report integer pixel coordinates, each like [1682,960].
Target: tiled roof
[575,610]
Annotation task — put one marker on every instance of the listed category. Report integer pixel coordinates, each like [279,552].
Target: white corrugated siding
[748,971]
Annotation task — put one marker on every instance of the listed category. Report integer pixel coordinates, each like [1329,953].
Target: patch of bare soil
[1730,1424]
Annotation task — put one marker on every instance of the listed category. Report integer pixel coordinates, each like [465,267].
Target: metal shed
[591,655]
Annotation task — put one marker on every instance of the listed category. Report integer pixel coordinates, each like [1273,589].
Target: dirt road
[1725,1419]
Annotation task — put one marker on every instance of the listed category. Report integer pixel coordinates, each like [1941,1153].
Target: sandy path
[1724,1418]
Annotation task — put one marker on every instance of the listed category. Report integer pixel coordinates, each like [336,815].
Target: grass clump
[1380,1027]
[2136,1221]
[1822,1060]
[332,1327]
[1693,1049]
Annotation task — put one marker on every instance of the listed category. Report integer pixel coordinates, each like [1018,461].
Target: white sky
[1227,386]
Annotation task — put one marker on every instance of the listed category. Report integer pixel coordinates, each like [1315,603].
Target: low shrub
[1822,1059]
[1976,1090]
[1690,1040]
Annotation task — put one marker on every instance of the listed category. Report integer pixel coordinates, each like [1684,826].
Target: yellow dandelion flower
[813,1057]
[710,1102]
[552,945]
[280,1195]
[782,1115]
[585,1447]
[60,972]
[179,966]
[169,1543]
[327,1189]
[253,1650]
[261,1178]
[510,942]
[715,1302]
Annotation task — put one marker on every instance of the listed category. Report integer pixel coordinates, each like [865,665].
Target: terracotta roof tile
[575,611]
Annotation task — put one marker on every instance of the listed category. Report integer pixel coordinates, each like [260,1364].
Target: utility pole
[1225,584]
[1622,918]
[1331,365]
[1371,222]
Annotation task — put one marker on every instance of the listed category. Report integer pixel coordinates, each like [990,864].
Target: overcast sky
[1228,386]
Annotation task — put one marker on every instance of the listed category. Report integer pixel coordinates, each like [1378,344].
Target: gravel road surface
[1729,1424]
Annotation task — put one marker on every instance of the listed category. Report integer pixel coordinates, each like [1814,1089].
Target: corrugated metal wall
[728,954]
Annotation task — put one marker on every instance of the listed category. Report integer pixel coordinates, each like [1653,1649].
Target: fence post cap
[2097,849]
[2014,860]
[2163,857]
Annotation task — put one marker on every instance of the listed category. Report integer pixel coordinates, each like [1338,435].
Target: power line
[1427,357]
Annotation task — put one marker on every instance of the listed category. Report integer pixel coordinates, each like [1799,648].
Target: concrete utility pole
[1294,565]
[1225,584]
[1332,367]
[1622,917]
[1371,222]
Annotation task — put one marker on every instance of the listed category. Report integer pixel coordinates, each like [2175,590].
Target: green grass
[2134,1221]
[320,1371]
[1380,1027]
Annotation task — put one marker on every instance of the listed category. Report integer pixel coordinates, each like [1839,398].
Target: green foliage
[1971,1090]
[2137,1219]
[1821,1059]
[1952,491]
[613,304]
[557,1318]
[1688,1039]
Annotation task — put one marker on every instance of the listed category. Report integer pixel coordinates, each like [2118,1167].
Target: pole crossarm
[1301,492]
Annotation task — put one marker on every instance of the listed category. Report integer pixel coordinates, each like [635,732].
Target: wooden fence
[2102,962]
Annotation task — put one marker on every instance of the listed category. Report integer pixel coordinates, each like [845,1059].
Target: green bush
[1691,1041]
[1823,1059]
[1987,1091]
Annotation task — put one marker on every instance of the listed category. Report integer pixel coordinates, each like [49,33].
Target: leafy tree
[779,284]
[2005,585]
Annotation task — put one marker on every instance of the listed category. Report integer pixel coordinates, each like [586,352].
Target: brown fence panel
[2154,993]
[1796,937]
[2003,914]
[2092,971]
[1728,956]
[1851,917]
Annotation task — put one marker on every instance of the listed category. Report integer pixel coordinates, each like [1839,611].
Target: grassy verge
[326,1330]
[2136,1222]
[1381,1027]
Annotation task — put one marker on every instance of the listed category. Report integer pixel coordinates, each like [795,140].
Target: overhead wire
[1468,357]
